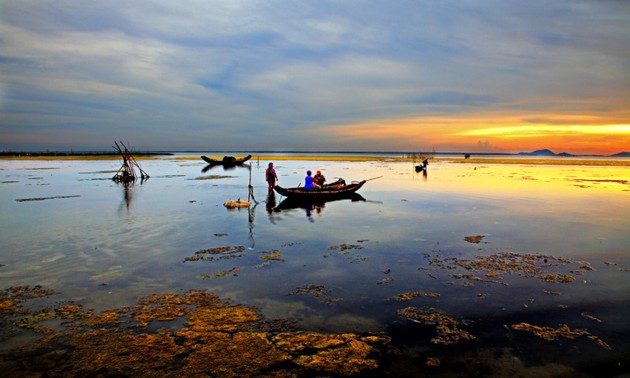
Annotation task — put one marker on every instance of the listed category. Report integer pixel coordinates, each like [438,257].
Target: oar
[374,178]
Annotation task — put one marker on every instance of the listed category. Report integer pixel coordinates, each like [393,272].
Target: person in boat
[271,177]
[308,181]
[319,179]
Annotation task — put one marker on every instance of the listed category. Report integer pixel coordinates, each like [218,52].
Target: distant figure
[319,179]
[308,181]
[271,177]
[422,167]
[467,156]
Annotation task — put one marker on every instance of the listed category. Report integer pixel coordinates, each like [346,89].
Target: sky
[447,76]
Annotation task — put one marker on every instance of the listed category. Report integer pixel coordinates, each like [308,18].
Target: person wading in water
[271,177]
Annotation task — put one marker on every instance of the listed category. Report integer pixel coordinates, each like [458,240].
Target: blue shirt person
[308,181]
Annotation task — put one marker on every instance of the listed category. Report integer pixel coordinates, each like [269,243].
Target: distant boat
[422,166]
[330,191]
[227,160]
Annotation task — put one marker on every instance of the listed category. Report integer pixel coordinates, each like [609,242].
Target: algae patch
[200,335]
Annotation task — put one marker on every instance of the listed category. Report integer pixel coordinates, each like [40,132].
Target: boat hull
[227,160]
[319,194]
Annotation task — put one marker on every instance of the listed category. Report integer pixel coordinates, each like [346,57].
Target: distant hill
[621,154]
[544,152]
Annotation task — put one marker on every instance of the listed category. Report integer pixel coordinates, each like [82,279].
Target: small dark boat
[335,190]
[227,160]
[422,166]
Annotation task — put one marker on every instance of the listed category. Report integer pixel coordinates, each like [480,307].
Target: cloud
[277,72]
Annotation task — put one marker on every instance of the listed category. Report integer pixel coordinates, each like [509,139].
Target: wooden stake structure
[231,204]
[127,172]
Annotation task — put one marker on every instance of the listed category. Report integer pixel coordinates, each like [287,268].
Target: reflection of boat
[331,191]
[308,204]
[227,160]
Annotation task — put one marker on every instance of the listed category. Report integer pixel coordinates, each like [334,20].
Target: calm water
[104,246]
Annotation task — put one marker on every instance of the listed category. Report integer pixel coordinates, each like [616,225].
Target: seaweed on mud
[11,299]
[345,247]
[268,257]
[222,273]
[447,328]
[413,294]
[274,255]
[563,330]
[588,316]
[526,265]
[474,238]
[384,281]
[549,292]
[216,339]
[320,292]
[219,253]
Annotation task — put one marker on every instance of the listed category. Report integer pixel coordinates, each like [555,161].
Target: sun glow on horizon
[527,131]
[493,133]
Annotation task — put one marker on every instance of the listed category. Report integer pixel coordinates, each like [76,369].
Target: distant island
[547,152]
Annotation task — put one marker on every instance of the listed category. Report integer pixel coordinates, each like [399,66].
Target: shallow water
[67,226]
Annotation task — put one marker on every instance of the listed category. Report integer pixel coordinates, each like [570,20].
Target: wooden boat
[330,191]
[227,160]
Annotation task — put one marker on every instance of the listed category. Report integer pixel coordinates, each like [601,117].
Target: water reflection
[316,206]
[225,167]
[228,163]
[270,204]
[251,212]
[574,213]
[424,174]
[129,193]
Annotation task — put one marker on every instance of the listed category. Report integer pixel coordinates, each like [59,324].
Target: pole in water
[249,188]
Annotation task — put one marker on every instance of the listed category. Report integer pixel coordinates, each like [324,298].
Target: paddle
[374,178]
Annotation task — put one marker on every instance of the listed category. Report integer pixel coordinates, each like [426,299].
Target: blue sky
[315,75]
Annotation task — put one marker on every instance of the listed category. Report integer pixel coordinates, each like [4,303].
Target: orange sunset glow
[493,134]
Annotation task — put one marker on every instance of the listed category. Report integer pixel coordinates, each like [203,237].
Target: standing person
[319,179]
[271,177]
[308,181]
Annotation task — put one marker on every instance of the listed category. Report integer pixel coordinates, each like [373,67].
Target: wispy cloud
[275,74]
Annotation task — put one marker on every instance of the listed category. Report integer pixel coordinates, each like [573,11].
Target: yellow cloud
[491,132]
[532,131]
